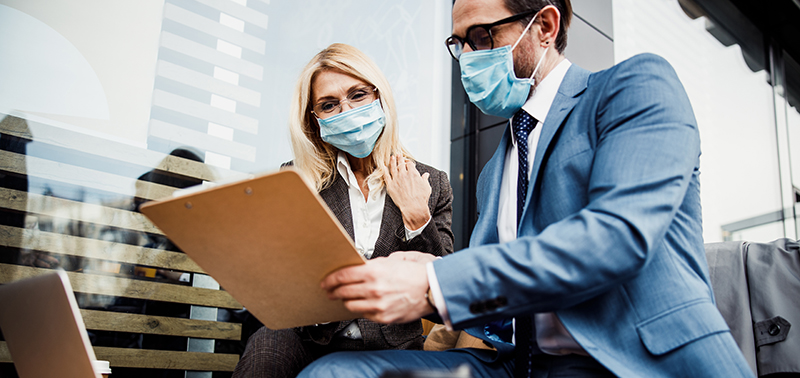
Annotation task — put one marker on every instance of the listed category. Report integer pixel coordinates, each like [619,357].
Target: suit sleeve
[646,154]
[437,237]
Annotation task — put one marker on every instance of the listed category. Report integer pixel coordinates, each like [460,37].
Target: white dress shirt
[366,214]
[551,335]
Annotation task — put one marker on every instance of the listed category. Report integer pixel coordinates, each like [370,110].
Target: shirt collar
[343,166]
[538,105]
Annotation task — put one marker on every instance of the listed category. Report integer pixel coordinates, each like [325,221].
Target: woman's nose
[345,103]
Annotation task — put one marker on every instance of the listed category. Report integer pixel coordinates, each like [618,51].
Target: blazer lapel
[485,231]
[572,87]
[392,230]
[338,200]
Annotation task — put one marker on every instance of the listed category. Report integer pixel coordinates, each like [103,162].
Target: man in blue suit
[589,235]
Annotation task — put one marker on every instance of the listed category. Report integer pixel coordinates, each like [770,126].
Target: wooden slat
[124,287]
[79,211]
[15,126]
[80,176]
[155,359]
[109,149]
[97,249]
[162,359]
[160,325]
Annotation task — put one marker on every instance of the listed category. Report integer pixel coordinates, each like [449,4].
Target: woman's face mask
[490,82]
[354,131]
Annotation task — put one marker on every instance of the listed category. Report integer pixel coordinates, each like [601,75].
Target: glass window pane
[732,100]
[792,69]
[107,105]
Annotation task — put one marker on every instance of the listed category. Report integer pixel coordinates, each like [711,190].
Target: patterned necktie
[522,125]
[523,350]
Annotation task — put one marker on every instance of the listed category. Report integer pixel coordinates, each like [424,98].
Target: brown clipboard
[268,241]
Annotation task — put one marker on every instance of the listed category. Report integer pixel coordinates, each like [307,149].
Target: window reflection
[729,86]
[78,211]
[95,120]
[792,69]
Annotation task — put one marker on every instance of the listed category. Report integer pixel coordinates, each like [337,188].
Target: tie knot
[522,124]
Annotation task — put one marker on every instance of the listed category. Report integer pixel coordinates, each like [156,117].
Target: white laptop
[43,328]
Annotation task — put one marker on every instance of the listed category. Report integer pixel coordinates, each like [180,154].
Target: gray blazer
[436,238]
[756,287]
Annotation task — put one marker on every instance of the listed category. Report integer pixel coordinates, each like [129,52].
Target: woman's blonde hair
[316,159]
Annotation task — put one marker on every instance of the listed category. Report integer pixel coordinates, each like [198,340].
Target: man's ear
[550,21]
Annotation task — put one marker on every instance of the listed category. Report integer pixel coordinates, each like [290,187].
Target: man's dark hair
[564,6]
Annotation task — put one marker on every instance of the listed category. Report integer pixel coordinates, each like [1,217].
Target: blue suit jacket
[610,238]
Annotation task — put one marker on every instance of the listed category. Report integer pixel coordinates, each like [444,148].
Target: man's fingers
[361,306]
[372,310]
[351,292]
[388,290]
[344,276]
[402,255]
[413,256]
[426,176]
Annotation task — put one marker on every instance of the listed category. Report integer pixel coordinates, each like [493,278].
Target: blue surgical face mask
[354,131]
[490,82]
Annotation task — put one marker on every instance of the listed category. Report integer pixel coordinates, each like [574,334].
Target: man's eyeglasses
[358,97]
[479,37]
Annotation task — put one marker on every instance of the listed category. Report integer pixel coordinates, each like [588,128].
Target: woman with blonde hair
[345,139]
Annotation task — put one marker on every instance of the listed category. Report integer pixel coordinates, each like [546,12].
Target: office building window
[737,90]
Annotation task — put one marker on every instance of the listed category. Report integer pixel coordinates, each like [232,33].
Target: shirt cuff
[412,234]
[438,297]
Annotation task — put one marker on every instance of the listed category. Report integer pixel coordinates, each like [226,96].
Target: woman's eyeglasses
[358,97]
[479,37]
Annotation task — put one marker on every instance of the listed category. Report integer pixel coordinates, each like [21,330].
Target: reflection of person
[160,176]
[345,138]
[595,248]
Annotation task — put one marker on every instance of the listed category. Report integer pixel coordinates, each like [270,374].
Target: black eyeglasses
[479,37]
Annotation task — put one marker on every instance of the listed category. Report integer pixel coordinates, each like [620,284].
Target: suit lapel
[491,176]
[392,230]
[338,200]
[569,92]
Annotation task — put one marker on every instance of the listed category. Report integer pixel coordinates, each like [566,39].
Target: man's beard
[525,61]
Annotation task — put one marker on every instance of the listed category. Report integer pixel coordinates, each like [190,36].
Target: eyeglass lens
[478,38]
[356,98]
